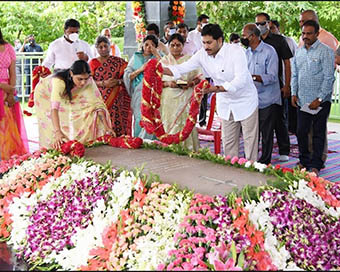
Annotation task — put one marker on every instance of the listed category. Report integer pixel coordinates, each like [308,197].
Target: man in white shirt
[153,29]
[65,50]
[195,35]
[115,51]
[237,99]
[189,46]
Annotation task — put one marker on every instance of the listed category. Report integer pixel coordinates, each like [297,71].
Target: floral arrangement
[139,19]
[151,97]
[31,175]
[60,213]
[177,11]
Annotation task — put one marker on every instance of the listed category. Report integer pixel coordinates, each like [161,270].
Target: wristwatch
[254,78]
[320,99]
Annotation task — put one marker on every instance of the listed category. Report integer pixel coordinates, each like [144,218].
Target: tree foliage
[233,15]
[45,19]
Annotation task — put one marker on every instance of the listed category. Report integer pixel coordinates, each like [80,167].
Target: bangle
[103,83]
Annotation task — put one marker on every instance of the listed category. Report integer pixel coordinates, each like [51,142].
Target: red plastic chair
[207,131]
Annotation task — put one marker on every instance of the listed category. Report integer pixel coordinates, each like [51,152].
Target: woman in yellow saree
[175,99]
[69,106]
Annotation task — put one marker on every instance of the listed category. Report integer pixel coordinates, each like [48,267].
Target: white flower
[259,216]
[306,193]
[152,249]
[260,166]
[247,164]
[103,215]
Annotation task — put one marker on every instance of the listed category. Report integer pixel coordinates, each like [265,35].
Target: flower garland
[151,97]
[176,11]
[75,148]
[139,19]
[38,71]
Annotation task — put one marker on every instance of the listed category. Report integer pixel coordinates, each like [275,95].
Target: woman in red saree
[108,71]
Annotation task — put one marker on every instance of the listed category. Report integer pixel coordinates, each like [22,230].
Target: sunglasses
[261,23]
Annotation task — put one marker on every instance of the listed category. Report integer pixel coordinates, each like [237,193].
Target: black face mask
[245,42]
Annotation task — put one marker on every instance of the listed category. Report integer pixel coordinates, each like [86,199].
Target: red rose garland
[74,148]
[123,141]
[151,101]
[38,71]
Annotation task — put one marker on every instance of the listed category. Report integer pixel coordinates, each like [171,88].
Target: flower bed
[61,213]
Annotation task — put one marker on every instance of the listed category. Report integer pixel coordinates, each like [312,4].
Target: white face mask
[73,37]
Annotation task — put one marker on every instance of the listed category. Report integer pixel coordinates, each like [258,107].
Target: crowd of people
[266,84]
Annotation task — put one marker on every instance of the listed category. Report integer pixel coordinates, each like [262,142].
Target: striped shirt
[313,73]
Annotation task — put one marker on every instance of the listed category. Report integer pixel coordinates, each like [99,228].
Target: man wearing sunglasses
[262,21]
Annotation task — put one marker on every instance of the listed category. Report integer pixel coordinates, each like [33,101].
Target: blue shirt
[263,61]
[313,73]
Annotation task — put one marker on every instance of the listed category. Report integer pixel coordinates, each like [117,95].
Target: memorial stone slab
[201,176]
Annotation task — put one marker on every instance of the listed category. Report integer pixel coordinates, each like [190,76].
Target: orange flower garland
[138,19]
[176,11]
[151,101]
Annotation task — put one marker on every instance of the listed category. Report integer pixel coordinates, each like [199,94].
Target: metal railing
[27,61]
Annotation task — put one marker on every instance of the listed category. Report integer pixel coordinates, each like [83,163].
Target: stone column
[156,12]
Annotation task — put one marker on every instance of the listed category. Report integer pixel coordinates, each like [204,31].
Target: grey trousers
[231,136]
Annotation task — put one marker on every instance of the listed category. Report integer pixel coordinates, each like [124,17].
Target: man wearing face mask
[30,45]
[282,49]
[64,51]
[263,66]
[195,35]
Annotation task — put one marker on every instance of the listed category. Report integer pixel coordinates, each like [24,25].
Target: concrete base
[197,175]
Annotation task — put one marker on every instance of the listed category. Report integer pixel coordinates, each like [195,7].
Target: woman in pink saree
[13,137]
[69,106]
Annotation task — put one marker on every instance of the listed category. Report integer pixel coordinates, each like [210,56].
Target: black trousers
[318,122]
[267,120]
[290,114]
[281,131]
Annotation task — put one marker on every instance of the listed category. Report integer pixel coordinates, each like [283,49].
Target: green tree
[46,19]
[233,15]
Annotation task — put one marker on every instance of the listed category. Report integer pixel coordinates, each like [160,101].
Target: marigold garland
[139,19]
[176,11]
[151,98]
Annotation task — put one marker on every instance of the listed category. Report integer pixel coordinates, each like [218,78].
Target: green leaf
[233,251]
